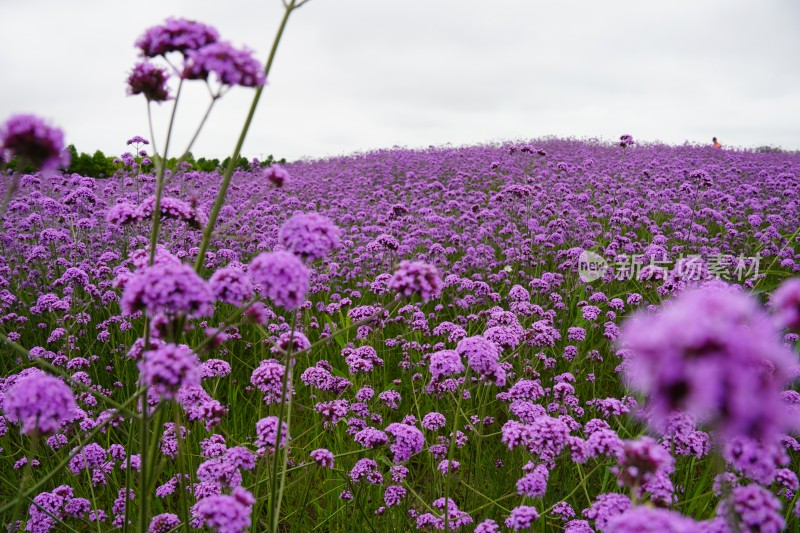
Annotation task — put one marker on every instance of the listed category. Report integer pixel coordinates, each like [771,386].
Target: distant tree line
[99,165]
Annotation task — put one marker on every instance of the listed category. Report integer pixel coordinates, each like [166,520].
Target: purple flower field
[549,335]
[420,326]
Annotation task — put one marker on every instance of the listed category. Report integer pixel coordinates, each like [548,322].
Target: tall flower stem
[226,180]
[274,496]
[451,450]
[160,178]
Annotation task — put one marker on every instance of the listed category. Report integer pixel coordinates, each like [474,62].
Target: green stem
[160,179]
[451,450]
[226,180]
[274,497]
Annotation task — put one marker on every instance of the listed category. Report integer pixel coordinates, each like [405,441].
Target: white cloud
[353,74]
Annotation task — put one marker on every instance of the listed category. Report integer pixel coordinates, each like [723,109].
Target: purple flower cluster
[714,355]
[39,403]
[310,236]
[32,139]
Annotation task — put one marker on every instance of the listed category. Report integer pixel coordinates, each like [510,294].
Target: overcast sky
[353,75]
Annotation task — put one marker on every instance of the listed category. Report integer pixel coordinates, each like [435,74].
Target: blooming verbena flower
[645,519]
[753,507]
[40,403]
[167,288]
[408,440]
[224,513]
[169,368]
[175,35]
[268,378]
[455,516]
[172,208]
[715,355]
[487,526]
[231,285]
[605,507]
[445,363]
[30,138]
[230,65]
[163,523]
[639,461]
[483,357]
[266,432]
[626,140]
[785,302]
[277,175]
[534,483]
[323,457]
[416,277]
[522,517]
[433,421]
[283,277]
[310,236]
[150,80]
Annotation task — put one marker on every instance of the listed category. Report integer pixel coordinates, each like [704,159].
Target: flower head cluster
[167,288]
[415,277]
[224,513]
[483,356]
[149,80]
[408,440]
[715,355]
[284,279]
[175,35]
[229,65]
[267,433]
[40,403]
[167,369]
[32,139]
[310,236]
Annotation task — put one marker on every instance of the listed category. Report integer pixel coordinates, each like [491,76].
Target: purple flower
[277,175]
[29,138]
[40,403]
[266,432]
[175,35]
[445,363]
[268,378]
[415,277]
[163,523]
[371,437]
[169,368]
[643,519]
[149,80]
[224,513]
[310,236]
[231,66]
[408,441]
[714,355]
[483,358]
[231,285]
[606,507]
[785,301]
[639,460]
[522,517]
[284,279]
[753,507]
[170,288]
[393,495]
[534,483]
[323,457]
[626,140]
[433,421]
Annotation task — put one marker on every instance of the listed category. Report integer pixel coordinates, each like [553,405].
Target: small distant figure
[716,144]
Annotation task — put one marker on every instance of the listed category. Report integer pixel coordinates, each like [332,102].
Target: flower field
[405,340]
